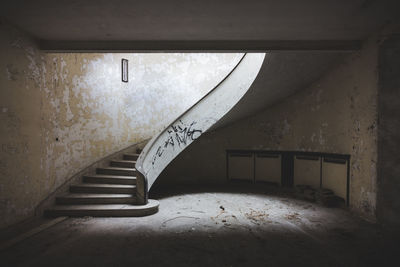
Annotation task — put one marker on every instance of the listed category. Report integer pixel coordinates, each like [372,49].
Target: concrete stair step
[109,179]
[123,163]
[103,188]
[117,171]
[107,210]
[82,199]
[132,156]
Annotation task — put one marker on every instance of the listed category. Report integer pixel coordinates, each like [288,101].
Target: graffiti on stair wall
[180,134]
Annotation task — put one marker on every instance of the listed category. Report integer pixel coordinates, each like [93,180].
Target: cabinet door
[268,168]
[334,176]
[307,171]
[241,166]
[287,169]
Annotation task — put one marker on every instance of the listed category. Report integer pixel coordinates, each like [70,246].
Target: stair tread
[117,168]
[152,203]
[94,195]
[104,185]
[111,176]
[123,160]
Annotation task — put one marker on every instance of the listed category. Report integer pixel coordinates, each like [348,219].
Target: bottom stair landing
[104,210]
[111,192]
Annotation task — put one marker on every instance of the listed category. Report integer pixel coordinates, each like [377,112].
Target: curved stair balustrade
[171,141]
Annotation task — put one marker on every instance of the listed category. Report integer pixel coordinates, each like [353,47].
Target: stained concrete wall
[61,112]
[337,114]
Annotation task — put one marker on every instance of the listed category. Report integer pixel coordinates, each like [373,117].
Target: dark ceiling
[101,23]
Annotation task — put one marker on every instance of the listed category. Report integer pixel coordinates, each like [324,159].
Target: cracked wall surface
[337,114]
[61,112]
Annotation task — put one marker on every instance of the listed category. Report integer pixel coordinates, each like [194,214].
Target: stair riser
[122,164]
[84,201]
[116,172]
[105,190]
[97,180]
[130,157]
[101,213]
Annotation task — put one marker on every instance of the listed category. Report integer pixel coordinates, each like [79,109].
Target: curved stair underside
[198,119]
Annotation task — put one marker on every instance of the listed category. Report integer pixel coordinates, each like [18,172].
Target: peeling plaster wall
[94,114]
[337,114]
[22,181]
[62,112]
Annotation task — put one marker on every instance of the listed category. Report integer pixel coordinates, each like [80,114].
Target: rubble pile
[323,196]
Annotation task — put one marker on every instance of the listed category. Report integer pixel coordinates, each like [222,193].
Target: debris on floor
[293,216]
[323,196]
[256,217]
[164,224]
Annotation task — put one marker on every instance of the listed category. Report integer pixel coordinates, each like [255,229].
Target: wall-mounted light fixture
[124,68]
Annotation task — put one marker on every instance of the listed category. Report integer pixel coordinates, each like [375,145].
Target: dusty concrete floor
[194,228]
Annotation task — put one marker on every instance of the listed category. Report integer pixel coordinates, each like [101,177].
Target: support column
[388,206]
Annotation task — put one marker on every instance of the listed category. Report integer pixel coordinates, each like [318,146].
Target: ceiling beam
[200,46]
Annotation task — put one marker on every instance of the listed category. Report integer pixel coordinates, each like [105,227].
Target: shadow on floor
[162,191]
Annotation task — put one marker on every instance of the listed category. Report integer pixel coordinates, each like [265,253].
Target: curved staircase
[111,192]
[122,188]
